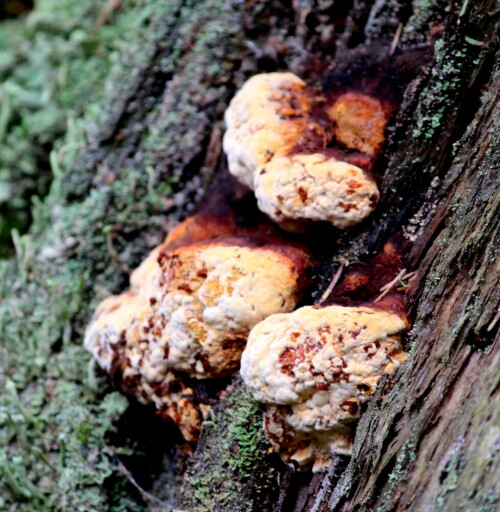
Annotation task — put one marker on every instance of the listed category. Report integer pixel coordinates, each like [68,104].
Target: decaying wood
[429,439]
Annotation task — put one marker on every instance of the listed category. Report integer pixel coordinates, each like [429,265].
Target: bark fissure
[426,440]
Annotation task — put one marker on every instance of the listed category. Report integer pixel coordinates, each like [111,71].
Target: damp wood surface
[140,160]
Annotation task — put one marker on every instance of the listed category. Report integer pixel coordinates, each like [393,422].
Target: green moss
[235,430]
[53,65]
[52,429]
[406,457]
[55,414]
[245,428]
[96,223]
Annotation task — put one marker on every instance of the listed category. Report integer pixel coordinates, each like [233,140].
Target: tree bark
[429,438]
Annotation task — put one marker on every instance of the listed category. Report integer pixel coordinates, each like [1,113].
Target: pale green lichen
[55,421]
[53,66]
[56,415]
[404,461]
[245,428]
[236,429]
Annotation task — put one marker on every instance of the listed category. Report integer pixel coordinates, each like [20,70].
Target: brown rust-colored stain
[348,206]
[359,122]
[293,356]
[350,406]
[362,282]
[302,194]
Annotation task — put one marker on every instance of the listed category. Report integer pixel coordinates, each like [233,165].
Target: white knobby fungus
[275,144]
[142,279]
[106,333]
[210,296]
[314,368]
[314,187]
[189,312]
[267,117]
[115,337]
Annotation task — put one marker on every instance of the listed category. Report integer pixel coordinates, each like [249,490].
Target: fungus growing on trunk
[296,149]
[359,121]
[314,187]
[314,368]
[209,296]
[188,314]
[115,338]
[269,116]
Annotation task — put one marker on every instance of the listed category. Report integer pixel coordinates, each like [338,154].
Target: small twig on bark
[332,284]
[145,494]
[115,258]
[391,284]
[214,149]
[493,322]
[395,40]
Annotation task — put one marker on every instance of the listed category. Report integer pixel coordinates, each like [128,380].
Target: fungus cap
[315,367]
[314,187]
[142,278]
[105,335]
[276,137]
[210,296]
[191,309]
[117,340]
[304,448]
[269,115]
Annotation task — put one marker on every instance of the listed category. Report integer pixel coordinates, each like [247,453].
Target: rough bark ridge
[440,188]
[427,440]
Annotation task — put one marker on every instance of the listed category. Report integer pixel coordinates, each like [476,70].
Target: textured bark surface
[431,442]
[429,439]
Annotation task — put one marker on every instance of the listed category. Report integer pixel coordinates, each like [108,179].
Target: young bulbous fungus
[188,314]
[114,336]
[314,368]
[209,296]
[305,156]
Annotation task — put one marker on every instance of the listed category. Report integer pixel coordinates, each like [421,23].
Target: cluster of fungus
[308,156]
[314,368]
[188,314]
[215,293]
[278,142]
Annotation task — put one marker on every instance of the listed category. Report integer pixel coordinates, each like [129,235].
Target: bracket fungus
[315,187]
[115,339]
[267,117]
[209,296]
[306,157]
[188,314]
[314,368]
[228,275]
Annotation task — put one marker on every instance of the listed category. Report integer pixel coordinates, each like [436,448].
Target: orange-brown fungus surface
[359,122]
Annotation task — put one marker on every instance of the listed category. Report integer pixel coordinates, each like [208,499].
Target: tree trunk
[429,438]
